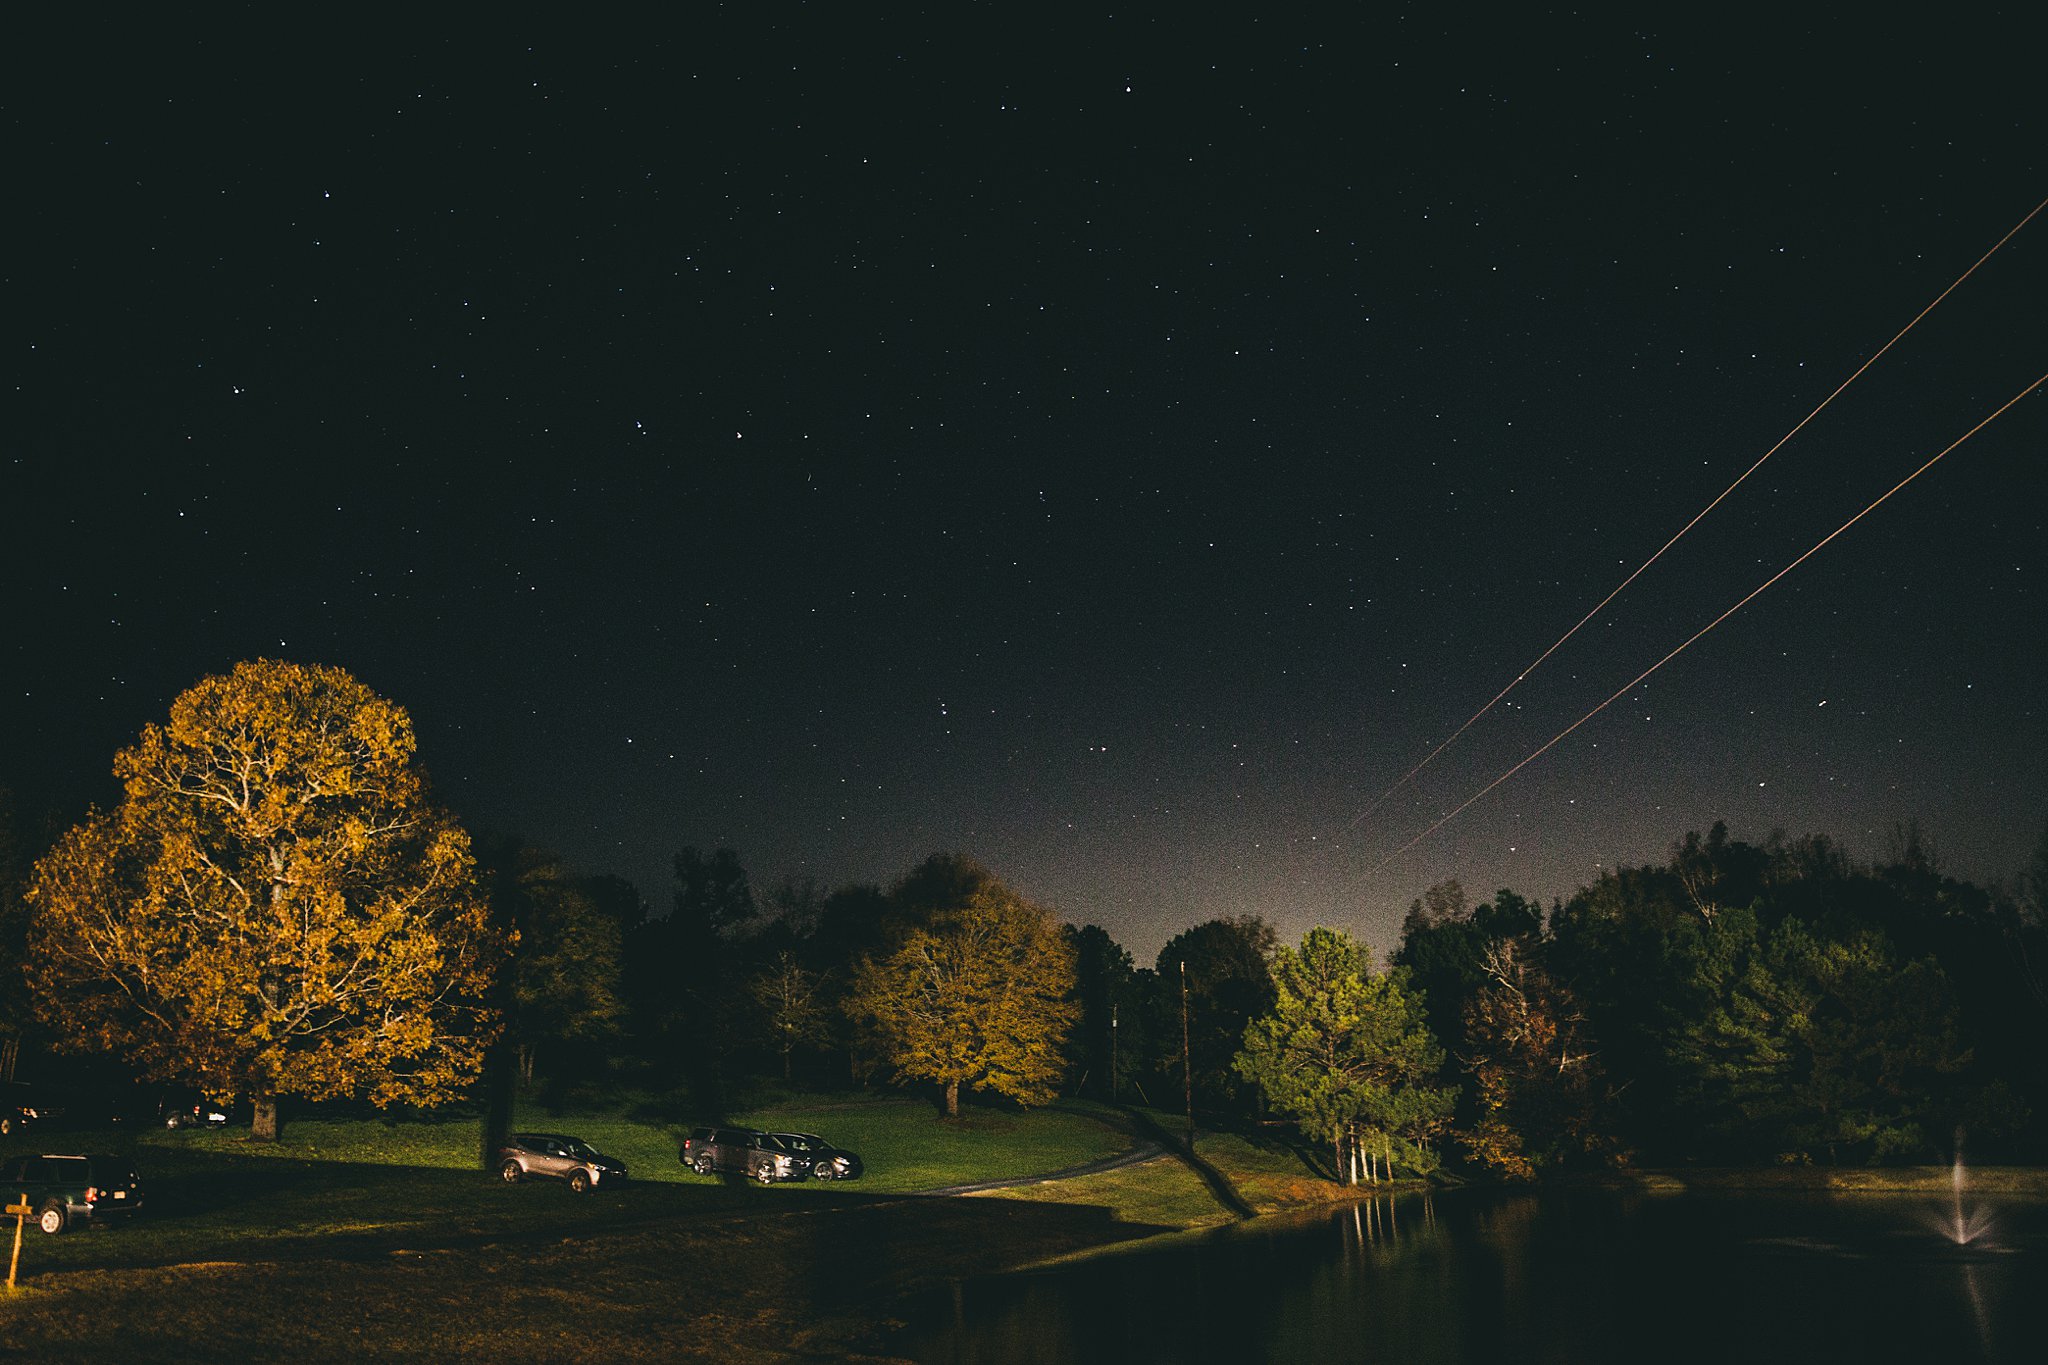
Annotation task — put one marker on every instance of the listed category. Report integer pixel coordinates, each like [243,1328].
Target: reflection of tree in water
[1383,1224]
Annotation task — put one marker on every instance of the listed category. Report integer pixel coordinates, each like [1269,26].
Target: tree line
[277,908]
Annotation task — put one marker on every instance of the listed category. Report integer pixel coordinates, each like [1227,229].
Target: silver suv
[554,1156]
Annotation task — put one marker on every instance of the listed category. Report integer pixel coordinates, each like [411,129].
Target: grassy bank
[1229,1177]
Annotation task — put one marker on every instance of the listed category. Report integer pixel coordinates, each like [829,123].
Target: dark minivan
[743,1151]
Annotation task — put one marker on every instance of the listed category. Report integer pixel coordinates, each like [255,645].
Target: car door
[727,1149]
[553,1160]
[736,1150]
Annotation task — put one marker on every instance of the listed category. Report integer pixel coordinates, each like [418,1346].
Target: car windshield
[799,1142]
[577,1148]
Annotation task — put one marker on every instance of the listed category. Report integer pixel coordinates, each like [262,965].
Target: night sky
[1114,450]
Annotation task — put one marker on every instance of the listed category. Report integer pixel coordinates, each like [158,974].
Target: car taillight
[92,1193]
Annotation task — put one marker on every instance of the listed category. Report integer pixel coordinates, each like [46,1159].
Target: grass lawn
[907,1147]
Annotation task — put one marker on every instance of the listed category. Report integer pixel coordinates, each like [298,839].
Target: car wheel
[579,1182]
[702,1165]
[6,1126]
[511,1173]
[765,1173]
[51,1218]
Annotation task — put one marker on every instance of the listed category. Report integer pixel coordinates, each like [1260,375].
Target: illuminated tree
[274,908]
[1346,1053]
[978,994]
[1537,1079]
[1444,943]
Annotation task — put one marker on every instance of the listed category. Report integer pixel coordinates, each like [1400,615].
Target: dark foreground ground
[722,1276]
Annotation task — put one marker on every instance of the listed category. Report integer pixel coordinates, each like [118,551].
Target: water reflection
[1584,1276]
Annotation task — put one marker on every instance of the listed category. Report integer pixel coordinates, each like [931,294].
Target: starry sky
[1115,450]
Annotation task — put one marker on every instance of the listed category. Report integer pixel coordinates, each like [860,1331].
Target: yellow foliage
[275,907]
[979,997]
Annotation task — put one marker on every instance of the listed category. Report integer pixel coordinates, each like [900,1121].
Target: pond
[1575,1276]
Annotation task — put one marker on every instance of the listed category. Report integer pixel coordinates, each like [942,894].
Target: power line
[1430,757]
[1753,593]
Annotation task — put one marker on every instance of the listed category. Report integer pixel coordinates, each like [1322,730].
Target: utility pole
[1187,1073]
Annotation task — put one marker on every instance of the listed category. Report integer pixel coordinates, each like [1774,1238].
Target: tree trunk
[952,1099]
[264,1127]
[1344,1171]
[501,1083]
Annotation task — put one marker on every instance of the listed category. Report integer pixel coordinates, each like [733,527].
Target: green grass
[905,1144]
[907,1147]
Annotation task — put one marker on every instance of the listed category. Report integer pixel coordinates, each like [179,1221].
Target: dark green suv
[68,1189]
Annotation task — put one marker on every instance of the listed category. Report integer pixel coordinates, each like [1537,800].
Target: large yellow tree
[275,907]
[979,994]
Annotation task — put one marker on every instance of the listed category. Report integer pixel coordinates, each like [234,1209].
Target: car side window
[17,1171]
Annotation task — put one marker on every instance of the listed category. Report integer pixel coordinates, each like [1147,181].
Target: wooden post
[1187,1073]
[21,1211]
[1112,1052]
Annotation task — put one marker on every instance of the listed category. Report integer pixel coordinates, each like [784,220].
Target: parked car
[741,1151]
[203,1114]
[766,1157]
[23,1106]
[825,1161]
[73,1189]
[555,1156]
